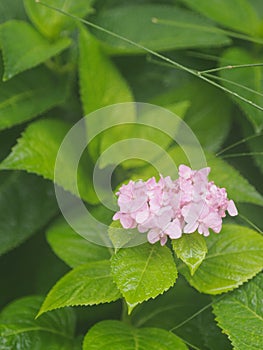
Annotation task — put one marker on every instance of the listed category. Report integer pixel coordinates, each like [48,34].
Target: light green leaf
[158,27]
[191,249]
[100,82]
[112,335]
[143,272]
[51,23]
[234,256]
[27,203]
[240,315]
[23,47]
[235,14]
[20,330]
[251,77]
[88,284]
[71,247]
[16,96]
[36,152]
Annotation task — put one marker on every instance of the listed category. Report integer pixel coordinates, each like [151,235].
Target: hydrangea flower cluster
[170,208]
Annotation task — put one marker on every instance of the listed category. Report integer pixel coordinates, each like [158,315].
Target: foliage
[201,60]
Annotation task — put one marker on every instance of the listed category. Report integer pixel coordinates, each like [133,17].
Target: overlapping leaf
[234,256]
[88,284]
[240,315]
[23,47]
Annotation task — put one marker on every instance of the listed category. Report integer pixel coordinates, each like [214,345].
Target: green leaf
[36,152]
[157,27]
[88,284]
[11,10]
[113,335]
[251,77]
[27,203]
[20,330]
[101,84]
[240,315]
[23,47]
[143,272]
[16,96]
[235,14]
[208,109]
[73,249]
[191,249]
[234,256]
[50,22]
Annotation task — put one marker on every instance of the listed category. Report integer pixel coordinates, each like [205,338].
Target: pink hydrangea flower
[170,208]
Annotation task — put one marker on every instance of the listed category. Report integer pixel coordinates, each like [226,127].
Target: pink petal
[127,222]
[231,208]
[153,236]
[190,228]
[173,230]
[163,240]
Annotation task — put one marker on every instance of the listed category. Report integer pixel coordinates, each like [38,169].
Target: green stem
[124,315]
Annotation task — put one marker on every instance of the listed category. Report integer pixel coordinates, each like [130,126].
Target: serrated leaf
[240,315]
[20,330]
[16,96]
[191,249]
[251,77]
[234,256]
[50,22]
[176,29]
[27,203]
[111,335]
[143,272]
[236,14]
[23,47]
[36,152]
[88,284]
[71,247]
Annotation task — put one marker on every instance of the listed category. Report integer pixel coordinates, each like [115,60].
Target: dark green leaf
[251,77]
[88,284]
[72,248]
[240,315]
[236,14]
[20,330]
[23,47]
[16,96]
[50,22]
[11,10]
[157,27]
[36,152]
[143,272]
[113,335]
[27,203]
[234,256]
[191,249]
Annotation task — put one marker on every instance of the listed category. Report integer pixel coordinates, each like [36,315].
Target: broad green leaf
[113,335]
[101,84]
[11,10]
[191,249]
[88,284]
[16,96]
[158,27]
[27,203]
[235,14]
[240,315]
[50,22]
[171,309]
[143,272]
[208,109]
[36,152]
[23,47]
[251,77]
[71,247]
[121,237]
[20,330]
[234,256]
